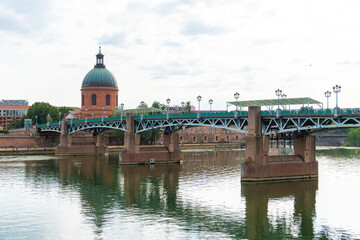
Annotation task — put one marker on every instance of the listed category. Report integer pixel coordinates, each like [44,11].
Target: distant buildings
[11,110]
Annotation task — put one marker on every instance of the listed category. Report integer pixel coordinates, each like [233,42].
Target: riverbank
[51,150]
[27,151]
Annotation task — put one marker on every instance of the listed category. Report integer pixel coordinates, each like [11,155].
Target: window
[93,99]
[83,100]
[237,137]
[205,138]
[117,100]
[194,139]
[216,138]
[108,100]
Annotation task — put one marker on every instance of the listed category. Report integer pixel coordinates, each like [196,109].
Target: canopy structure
[270,103]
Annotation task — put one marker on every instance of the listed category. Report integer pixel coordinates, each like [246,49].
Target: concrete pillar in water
[257,145]
[305,147]
[259,166]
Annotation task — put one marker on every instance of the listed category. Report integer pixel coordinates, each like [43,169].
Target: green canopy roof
[275,102]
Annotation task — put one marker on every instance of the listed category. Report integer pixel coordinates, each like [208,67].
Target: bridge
[256,124]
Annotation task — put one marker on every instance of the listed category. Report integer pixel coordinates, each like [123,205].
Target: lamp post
[278,93]
[92,115]
[60,119]
[121,110]
[182,106]
[86,110]
[48,119]
[36,119]
[167,109]
[142,109]
[211,102]
[236,96]
[337,89]
[199,100]
[102,118]
[327,95]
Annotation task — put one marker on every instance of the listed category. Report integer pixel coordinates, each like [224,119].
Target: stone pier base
[134,153]
[259,166]
[289,168]
[150,154]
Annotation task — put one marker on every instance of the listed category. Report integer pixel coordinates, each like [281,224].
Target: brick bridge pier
[259,166]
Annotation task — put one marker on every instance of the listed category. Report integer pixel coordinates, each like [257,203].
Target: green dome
[99,77]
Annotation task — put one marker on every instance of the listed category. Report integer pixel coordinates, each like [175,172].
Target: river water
[48,197]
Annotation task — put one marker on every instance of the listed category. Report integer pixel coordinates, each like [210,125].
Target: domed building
[99,91]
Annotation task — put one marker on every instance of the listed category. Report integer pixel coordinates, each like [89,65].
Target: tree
[64,110]
[353,138]
[188,106]
[41,110]
[16,123]
[150,136]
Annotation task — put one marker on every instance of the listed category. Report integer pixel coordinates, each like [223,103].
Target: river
[50,197]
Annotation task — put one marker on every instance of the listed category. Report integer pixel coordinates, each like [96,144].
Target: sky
[180,49]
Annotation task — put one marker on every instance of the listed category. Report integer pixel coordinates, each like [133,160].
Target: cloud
[117,39]
[349,63]
[23,17]
[200,28]
[172,44]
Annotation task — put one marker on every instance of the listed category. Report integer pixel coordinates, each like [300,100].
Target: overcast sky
[181,49]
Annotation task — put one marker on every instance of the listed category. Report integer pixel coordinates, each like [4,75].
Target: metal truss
[274,125]
[230,123]
[270,124]
[50,128]
[97,126]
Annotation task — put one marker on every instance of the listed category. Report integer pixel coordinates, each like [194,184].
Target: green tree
[64,110]
[353,138]
[150,136]
[16,123]
[41,110]
[188,106]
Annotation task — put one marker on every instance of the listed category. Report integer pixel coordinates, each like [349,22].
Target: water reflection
[262,223]
[202,198]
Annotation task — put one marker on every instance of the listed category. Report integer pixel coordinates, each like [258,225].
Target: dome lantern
[100,59]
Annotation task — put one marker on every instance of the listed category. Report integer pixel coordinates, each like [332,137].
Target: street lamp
[102,118]
[36,119]
[86,110]
[337,89]
[327,95]
[182,106]
[142,109]
[199,99]
[278,93]
[121,109]
[92,115]
[236,96]
[48,119]
[59,119]
[211,102]
[168,105]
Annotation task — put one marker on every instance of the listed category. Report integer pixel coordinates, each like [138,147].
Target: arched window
[117,100]
[108,100]
[205,138]
[194,139]
[93,99]
[83,100]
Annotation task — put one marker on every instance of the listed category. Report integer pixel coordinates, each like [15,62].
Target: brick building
[11,110]
[99,91]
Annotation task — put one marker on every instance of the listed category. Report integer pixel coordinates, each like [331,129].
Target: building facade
[99,91]
[12,110]
[209,135]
